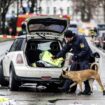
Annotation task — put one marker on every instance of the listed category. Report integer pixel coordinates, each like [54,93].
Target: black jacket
[79,47]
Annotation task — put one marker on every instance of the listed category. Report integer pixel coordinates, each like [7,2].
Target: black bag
[93,56]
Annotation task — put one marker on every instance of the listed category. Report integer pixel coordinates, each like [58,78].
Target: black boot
[87,90]
[66,86]
[61,89]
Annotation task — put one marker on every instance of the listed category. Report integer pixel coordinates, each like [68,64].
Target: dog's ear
[63,72]
[66,69]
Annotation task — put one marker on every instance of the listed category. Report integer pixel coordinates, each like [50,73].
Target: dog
[80,76]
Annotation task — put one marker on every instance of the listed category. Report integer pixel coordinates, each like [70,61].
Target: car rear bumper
[37,80]
[32,74]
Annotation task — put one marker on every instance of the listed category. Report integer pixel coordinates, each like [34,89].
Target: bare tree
[4,5]
[33,5]
[102,3]
[85,7]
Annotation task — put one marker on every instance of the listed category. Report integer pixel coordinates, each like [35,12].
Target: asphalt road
[29,95]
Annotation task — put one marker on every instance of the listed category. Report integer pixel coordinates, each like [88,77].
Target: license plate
[45,77]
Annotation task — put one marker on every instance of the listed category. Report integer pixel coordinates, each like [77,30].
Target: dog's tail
[94,66]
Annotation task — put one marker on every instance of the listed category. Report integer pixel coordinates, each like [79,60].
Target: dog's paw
[104,92]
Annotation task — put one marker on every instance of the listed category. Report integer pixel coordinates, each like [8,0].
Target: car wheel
[13,84]
[3,82]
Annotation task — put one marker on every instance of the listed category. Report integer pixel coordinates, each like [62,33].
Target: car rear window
[43,45]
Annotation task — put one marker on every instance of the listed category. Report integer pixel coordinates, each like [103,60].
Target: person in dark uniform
[23,31]
[78,45]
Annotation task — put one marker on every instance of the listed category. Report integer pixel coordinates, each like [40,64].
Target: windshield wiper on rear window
[41,36]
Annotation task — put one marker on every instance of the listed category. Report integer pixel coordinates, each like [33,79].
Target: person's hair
[69,34]
[23,25]
[54,45]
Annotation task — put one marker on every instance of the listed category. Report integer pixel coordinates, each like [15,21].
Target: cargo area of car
[35,48]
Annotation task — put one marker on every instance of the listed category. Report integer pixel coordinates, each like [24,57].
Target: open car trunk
[35,49]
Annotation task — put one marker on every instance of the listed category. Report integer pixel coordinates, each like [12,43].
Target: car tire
[3,82]
[13,84]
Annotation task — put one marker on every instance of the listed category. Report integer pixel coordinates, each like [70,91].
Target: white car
[16,66]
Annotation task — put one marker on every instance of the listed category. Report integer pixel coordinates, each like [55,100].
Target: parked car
[16,66]
[97,41]
[73,26]
[101,30]
[100,38]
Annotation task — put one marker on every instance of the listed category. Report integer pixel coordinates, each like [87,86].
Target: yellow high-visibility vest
[47,57]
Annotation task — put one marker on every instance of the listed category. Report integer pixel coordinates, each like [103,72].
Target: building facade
[50,7]
[54,7]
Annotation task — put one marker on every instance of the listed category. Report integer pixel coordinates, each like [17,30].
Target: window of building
[48,10]
[68,10]
[54,9]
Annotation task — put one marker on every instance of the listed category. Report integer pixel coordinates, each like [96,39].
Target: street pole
[36,6]
[17,16]
[17,8]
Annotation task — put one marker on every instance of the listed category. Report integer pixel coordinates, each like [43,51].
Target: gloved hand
[54,57]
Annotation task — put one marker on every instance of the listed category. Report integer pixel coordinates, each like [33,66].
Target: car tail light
[19,59]
[45,77]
